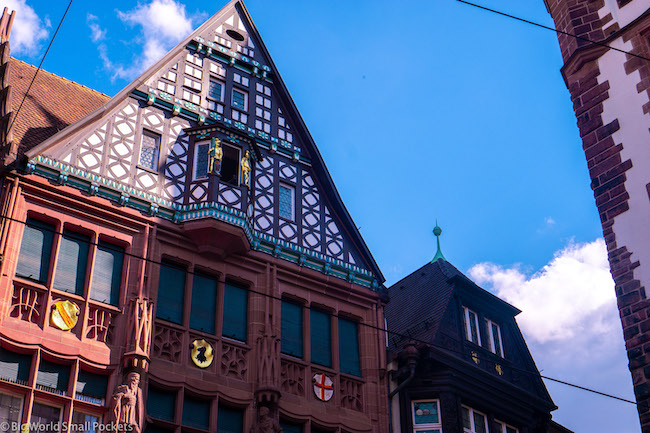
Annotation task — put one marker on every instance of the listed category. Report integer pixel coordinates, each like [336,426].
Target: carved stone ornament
[127,406]
[64,315]
[475,358]
[265,423]
[201,353]
[323,387]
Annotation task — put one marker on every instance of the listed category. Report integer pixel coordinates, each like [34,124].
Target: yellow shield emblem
[201,353]
[64,315]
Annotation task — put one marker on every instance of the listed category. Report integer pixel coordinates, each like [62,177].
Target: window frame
[213,79]
[158,140]
[489,323]
[49,404]
[232,99]
[468,328]
[472,424]
[426,426]
[301,338]
[197,146]
[503,427]
[22,398]
[292,191]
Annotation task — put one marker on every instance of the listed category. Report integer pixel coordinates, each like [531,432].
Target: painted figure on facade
[126,405]
[215,153]
[265,422]
[246,169]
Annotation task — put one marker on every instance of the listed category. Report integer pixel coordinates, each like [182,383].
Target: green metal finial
[437,231]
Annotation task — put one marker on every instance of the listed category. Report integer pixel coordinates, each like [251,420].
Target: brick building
[459,360]
[177,256]
[610,93]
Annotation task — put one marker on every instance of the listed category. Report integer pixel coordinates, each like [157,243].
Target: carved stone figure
[215,153]
[265,422]
[246,169]
[126,405]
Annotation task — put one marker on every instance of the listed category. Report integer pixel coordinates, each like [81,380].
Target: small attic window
[235,35]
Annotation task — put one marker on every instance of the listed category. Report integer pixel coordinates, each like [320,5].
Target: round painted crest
[64,315]
[323,387]
[201,353]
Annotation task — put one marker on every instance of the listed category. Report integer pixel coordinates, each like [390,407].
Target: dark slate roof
[53,103]
[418,301]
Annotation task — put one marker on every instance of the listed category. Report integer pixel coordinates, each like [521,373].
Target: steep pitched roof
[53,104]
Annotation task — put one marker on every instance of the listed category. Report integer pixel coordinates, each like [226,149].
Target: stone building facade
[176,257]
[610,92]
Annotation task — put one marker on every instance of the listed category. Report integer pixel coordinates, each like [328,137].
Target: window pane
[321,338]
[466,422]
[230,166]
[214,91]
[35,250]
[288,427]
[87,420]
[426,412]
[196,413]
[496,339]
[235,312]
[291,332]
[92,386]
[238,100]
[204,303]
[479,423]
[201,169]
[107,273]
[43,414]
[161,404]
[472,327]
[149,150]
[511,430]
[70,275]
[349,347]
[15,367]
[10,410]
[230,420]
[286,202]
[53,377]
[171,293]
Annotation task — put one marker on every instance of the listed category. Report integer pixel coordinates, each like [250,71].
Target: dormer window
[494,337]
[471,326]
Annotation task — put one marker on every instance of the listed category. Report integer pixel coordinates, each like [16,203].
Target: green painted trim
[152,205]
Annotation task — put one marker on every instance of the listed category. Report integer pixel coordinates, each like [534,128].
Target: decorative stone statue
[246,169]
[215,153]
[265,422]
[126,405]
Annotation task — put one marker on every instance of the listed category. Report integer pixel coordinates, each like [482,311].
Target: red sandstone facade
[610,92]
[90,214]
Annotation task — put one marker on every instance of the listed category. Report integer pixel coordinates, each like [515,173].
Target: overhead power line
[40,65]
[552,29]
[308,307]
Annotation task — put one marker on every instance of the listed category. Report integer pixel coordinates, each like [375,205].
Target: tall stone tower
[610,93]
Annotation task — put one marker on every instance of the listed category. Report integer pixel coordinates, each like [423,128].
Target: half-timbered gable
[152,147]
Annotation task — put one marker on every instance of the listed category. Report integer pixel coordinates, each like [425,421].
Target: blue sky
[423,110]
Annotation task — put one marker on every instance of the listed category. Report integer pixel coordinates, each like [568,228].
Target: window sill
[351,377]
[235,342]
[147,169]
[110,307]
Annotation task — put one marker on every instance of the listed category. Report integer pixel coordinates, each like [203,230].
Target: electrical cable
[308,307]
[552,29]
[39,67]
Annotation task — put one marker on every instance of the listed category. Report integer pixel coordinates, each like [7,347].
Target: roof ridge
[60,77]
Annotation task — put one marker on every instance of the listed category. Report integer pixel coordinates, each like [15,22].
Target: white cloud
[28,29]
[571,297]
[549,221]
[96,32]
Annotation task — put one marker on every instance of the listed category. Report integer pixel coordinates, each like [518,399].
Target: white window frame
[471,420]
[468,328]
[503,427]
[292,189]
[196,158]
[492,347]
[429,426]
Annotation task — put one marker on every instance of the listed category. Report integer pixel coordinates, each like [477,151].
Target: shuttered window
[70,274]
[349,347]
[291,328]
[107,273]
[14,367]
[204,303]
[171,292]
[161,404]
[230,420]
[53,376]
[235,312]
[91,385]
[35,250]
[321,338]
[196,413]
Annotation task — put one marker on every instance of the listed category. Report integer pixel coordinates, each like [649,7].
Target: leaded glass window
[239,100]
[286,202]
[201,158]
[215,89]
[149,150]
